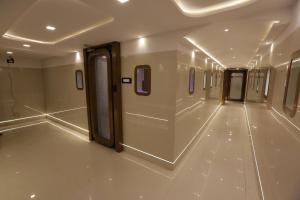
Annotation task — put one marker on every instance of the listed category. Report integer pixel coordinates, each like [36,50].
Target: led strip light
[11,36]
[186,147]
[213,9]
[284,117]
[19,127]
[203,50]
[254,154]
[188,108]
[145,116]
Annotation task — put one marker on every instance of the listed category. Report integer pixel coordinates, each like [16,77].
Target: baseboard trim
[164,162]
[13,127]
[286,119]
[13,122]
[254,154]
[67,124]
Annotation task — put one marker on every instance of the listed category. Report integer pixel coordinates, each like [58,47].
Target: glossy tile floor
[43,162]
[277,151]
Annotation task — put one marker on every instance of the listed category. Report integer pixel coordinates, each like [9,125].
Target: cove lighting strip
[189,107]
[78,127]
[146,116]
[203,50]
[213,9]
[49,115]
[78,135]
[11,36]
[286,128]
[63,111]
[272,23]
[19,127]
[282,64]
[254,154]
[24,118]
[284,117]
[186,147]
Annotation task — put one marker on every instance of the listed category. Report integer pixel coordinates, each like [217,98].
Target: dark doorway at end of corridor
[234,87]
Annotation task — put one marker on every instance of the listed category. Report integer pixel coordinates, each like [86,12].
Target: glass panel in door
[102,97]
[236,86]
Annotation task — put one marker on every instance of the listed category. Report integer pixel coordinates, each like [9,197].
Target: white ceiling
[243,40]
[68,16]
[247,24]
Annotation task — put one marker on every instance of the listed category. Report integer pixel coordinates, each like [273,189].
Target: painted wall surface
[148,120]
[21,89]
[158,127]
[279,89]
[64,102]
[164,123]
[281,56]
[192,110]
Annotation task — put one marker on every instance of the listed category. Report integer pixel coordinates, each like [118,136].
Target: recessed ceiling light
[123,1]
[9,52]
[101,23]
[26,45]
[231,49]
[234,57]
[276,21]
[50,28]
[226,30]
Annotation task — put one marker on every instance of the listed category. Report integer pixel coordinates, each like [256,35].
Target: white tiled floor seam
[254,153]
[74,133]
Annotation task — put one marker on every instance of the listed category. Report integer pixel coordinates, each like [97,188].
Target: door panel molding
[112,52]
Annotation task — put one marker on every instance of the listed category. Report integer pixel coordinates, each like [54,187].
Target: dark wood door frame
[116,93]
[227,84]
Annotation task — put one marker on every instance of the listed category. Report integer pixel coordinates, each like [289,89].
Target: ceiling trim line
[106,21]
[204,51]
[213,9]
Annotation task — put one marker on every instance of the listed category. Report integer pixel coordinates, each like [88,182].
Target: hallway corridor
[149,100]
[43,162]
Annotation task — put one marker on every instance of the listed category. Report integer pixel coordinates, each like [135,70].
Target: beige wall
[192,111]
[64,102]
[21,89]
[288,43]
[158,127]
[148,120]
[278,95]
[31,87]
[161,126]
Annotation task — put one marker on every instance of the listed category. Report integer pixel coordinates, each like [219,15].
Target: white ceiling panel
[68,16]
[28,18]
